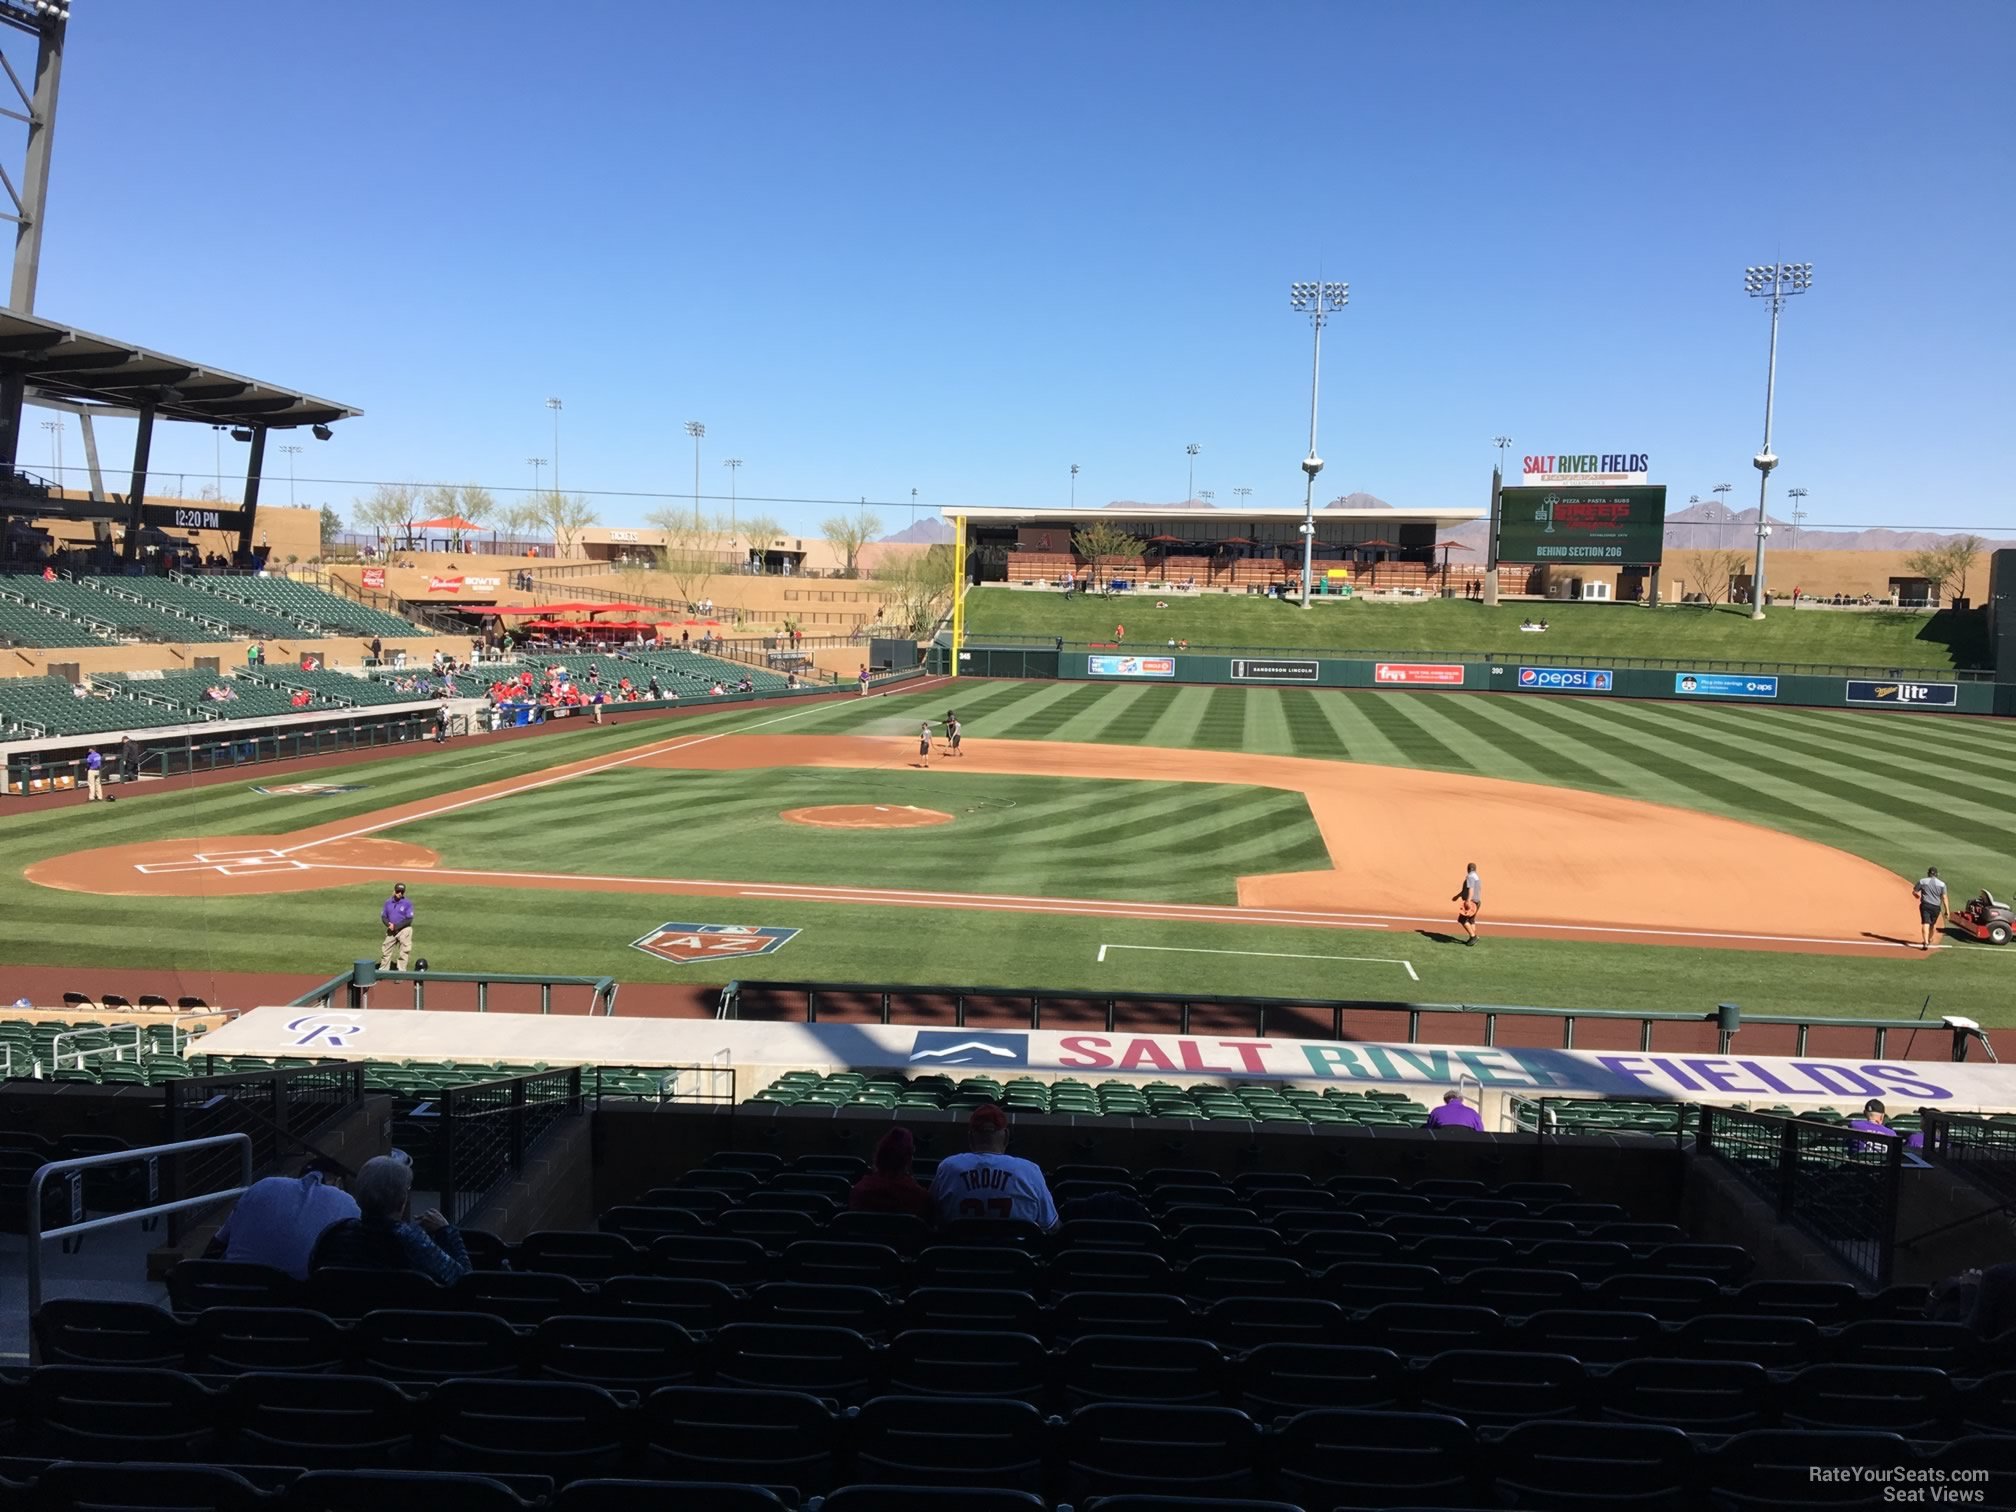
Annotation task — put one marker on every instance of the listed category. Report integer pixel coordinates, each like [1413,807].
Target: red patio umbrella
[1445,547]
[447,522]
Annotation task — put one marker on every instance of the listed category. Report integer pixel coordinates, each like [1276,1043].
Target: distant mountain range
[932,530]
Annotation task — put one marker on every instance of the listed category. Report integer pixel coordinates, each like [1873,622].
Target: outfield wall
[1930,692]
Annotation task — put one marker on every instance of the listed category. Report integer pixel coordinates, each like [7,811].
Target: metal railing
[276,1110]
[1837,1186]
[150,1157]
[1981,1149]
[356,983]
[1256,1014]
[982,641]
[487,1130]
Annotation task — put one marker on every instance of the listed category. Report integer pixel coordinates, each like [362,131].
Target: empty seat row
[1269,1357]
[798,1446]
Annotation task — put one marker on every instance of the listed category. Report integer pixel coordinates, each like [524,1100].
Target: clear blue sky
[957,248]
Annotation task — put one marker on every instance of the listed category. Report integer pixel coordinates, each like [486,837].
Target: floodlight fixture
[1776,282]
[1319,300]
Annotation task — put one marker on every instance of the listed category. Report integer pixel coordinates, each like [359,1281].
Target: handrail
[363,975]
[152,1154]
[731,1005]
[55,1040]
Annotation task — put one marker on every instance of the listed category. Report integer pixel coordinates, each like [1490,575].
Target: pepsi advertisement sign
[1566,679]
[1723,685]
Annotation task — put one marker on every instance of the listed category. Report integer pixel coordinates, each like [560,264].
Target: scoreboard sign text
[1596,527]
[1905,695]
[1276,671]
[683,944]
[177,517]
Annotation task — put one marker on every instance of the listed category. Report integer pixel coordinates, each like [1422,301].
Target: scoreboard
[1621,526]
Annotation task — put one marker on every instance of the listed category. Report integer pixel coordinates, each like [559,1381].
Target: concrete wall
[338,653]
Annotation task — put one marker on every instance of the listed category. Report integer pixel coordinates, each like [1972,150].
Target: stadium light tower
[734,466]
[1242,494]
[696,430]
[1721,492]
[1776,282]
[1798,498]
[1190,486]
[1319,301]
[292,452]
[1074,488]
[535,463]
[1501,442]
[556,406]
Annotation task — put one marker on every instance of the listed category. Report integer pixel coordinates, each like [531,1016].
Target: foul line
[656,748]
[1274,955]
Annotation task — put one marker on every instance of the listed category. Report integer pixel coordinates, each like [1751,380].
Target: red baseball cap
[987,1119]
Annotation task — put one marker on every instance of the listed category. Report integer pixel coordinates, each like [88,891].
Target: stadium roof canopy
[1212,517]
[62,363]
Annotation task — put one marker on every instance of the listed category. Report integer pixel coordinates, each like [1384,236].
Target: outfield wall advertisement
[1566,679]
[1723,685]
[1620,526]
[1419,674]
[1131,666]
[754,1049]
[1277,671]
[1905,695]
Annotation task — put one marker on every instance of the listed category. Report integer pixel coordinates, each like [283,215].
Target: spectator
[889,1187]
[1455,1114]
[987,1182]
[384,1237]
[278,1220]
[1875,1119]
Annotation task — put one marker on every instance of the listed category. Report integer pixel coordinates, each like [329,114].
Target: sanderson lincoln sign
[394,1034]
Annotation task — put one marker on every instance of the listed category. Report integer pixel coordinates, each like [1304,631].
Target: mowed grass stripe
[1126,719]
[1267,722]
[1883,804]
[1311,731]
[1892,738]
[1410,736]
[1222,724]
[1677,779]
[1054,705]
[1926,772]
[1493,723]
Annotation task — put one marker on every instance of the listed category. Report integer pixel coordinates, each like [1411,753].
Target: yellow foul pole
[958,589]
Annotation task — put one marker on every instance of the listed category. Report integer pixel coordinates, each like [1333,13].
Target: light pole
[1242,494]
[1798,498]
[1208,496]
[535,463]
[55,429]
[1502,443]
[1776,282]
[555,406]
[1319,301]
[1074,485]
[734,466]
[696,430]
[292,453]
[913,509]
[1721,492]
[1190,487]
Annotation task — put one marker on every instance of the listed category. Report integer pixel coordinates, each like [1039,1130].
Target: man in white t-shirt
[989,1183]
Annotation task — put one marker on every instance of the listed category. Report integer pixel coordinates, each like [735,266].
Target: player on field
[1469,901]
[953,733]
[988,1182]
[924,744]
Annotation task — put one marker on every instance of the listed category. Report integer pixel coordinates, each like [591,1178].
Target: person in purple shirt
[1455,1114]
[1875,1120]
[278,1220]
[397,916]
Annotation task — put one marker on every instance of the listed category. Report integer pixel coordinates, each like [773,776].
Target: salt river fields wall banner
[1622,526]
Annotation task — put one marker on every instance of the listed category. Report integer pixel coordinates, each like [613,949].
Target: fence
[1835,1185]
[1982,1150]
[276,1110]
[486,1131]
[1315,1018]
[356,983]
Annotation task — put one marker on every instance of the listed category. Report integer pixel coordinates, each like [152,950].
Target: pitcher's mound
[865,816]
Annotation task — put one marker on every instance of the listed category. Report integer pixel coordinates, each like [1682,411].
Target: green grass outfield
[1899,789]
[1806,637]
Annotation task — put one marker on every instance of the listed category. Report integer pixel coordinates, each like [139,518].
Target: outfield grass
[1900,789]
[1033,836]
[1807,637]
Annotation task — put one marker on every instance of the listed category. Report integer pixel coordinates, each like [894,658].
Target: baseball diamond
[1253,825]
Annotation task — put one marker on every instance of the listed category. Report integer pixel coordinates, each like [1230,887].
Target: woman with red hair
[889,1187]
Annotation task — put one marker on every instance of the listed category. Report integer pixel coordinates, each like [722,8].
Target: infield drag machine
[1985,919]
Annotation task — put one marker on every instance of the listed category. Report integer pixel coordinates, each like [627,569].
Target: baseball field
[1242,840]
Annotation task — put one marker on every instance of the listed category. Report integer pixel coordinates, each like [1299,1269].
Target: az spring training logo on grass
[968,1047]
[310,789]
[683,944]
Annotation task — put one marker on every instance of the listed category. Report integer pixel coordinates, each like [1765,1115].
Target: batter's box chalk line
[224,863]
